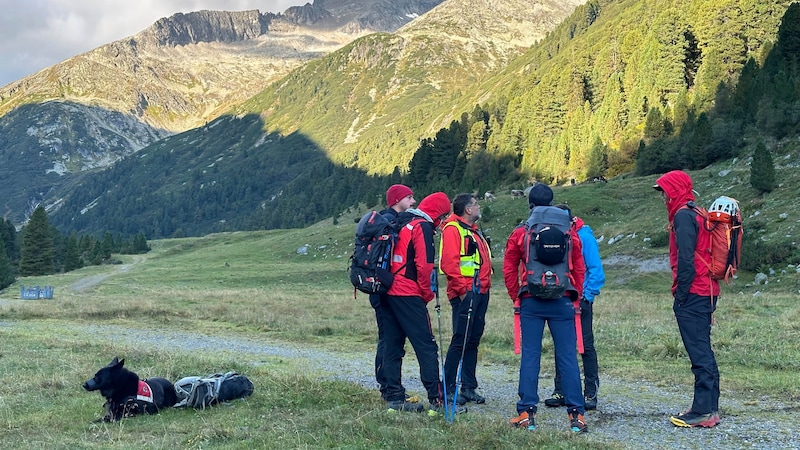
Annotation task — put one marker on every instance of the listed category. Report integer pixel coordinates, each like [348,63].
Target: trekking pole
[476,288]
[435,289]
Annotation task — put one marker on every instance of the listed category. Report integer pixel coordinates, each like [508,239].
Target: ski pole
[435,289]
[476,288]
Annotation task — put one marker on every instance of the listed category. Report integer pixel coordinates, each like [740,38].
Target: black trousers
[473,332]
[408,318]
[694,322]
[375,302]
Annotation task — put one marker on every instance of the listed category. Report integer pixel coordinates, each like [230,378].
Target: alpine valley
[220,121]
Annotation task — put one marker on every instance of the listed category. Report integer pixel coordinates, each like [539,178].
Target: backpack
[723,220]
[200,392]
[375,239]
[548,244]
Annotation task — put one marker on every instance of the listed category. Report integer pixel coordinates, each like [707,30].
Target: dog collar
[144,393]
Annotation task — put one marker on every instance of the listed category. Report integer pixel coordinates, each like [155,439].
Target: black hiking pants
[694,322]
[375,302]
[473,331]
[408,318]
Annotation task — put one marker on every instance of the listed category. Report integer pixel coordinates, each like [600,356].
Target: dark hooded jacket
[686,233]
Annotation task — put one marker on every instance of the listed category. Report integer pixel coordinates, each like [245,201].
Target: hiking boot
[437,408]
[525,420]
[590,403]
[403,405]
[556,399]
[577,423]
[469,395]
[689,419]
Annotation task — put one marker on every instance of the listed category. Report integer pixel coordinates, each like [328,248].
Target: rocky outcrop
[206,26]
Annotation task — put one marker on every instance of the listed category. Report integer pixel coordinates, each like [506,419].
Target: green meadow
[256,286]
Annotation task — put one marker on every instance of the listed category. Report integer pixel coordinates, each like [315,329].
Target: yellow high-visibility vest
[468,264]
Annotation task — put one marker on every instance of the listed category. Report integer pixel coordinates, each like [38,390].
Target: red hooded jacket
[686,232]
[414,254]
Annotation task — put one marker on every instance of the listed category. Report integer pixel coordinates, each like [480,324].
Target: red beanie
[435,205]
[397,192]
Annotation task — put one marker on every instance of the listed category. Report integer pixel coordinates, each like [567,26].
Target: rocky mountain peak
[206,26]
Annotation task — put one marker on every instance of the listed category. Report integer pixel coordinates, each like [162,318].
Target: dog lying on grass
[126,395]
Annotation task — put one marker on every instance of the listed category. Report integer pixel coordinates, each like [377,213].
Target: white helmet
[723,209]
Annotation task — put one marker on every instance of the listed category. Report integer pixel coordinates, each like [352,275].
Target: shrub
[757,253]
[659,240]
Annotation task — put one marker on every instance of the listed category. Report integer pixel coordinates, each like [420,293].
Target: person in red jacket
[405,305]
[695,296]
[398,199]
[558,314]
[466,260]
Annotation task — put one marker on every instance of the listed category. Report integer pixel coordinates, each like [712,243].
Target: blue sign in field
[36,292]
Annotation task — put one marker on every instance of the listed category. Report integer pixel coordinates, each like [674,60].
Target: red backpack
[723,220]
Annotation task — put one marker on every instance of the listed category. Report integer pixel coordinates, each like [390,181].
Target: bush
[659,240]
[757,253]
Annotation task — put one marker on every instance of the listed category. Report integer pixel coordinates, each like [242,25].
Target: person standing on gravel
[559,314]
[466,260]
[594,281]
[399,198]
[695,296]
[405,313]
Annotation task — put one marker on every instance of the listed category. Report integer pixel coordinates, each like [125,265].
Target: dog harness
[144,393]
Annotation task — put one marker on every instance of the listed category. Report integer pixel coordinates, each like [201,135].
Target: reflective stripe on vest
[469,264]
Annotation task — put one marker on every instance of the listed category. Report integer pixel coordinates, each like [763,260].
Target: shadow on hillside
[228,175]
[46,149]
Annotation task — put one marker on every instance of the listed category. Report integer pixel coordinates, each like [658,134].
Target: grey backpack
[200,392]
[548,245]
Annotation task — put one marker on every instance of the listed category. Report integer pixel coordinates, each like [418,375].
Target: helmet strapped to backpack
[723,209]
[723,221]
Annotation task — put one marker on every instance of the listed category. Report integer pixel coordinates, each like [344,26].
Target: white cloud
[35,34]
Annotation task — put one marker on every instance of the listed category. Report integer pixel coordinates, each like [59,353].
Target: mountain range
[89,111]
[487,93]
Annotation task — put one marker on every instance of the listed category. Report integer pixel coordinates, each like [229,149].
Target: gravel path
[631,413]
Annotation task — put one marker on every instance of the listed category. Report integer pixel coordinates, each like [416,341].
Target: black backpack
[375,239]
[548,246]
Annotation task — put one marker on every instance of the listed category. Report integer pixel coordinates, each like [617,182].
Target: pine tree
[762,170]
[6,269]
[8,234]
[72,259]
[598,160]
[38,250]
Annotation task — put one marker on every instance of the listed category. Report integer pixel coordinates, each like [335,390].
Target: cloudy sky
[35,34]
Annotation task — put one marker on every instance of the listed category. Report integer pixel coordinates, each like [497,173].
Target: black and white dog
[126,395]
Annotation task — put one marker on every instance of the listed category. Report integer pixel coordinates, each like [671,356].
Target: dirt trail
[87,283]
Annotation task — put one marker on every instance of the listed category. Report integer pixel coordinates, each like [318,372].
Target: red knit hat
[435,206]
[397,192]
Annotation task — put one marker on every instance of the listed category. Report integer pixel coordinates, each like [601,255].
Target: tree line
[40,249]
[537,128]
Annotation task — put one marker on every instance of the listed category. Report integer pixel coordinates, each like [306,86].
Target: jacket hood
[578,222]
[435,206]
[677,185]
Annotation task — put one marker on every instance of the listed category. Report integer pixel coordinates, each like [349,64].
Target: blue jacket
[595,277]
